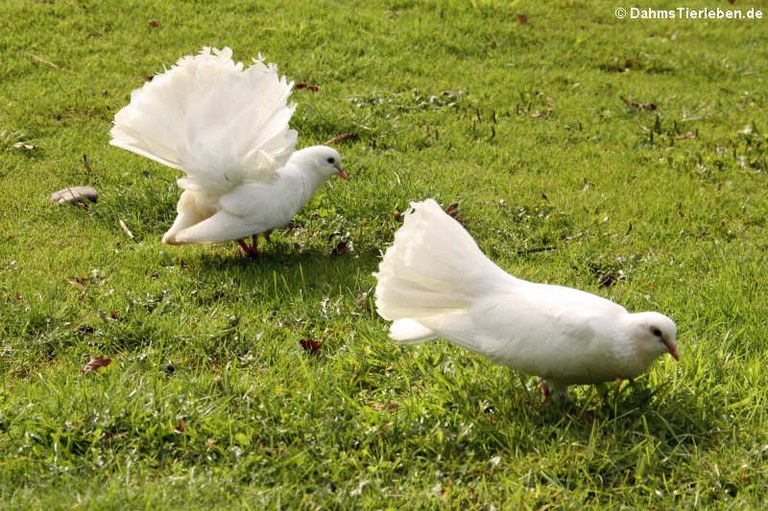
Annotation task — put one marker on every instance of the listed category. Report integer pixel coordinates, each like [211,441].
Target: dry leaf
[522,18]
[308,86]
[341,138]
[311,345]
[389,405]
[339,249]
[153,23]
[361,301]
[41,60]
[688,135]
[77,282]
[85,329]
[24,146]
[453,211]
[125,229]
[542,113]
[96,363]
[638,106]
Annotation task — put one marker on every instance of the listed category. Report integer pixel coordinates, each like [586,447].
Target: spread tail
[220,123]
[430,275]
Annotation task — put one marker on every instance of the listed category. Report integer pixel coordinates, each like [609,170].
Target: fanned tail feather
[430,274]
[208,116]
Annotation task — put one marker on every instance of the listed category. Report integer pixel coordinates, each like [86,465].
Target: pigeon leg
[244,248]
[545,390]
[249,251]
[557,393]
[553,391]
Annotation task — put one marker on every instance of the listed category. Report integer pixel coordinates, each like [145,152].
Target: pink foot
[249,250]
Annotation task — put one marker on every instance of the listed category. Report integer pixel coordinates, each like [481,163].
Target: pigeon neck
[308,172]
[310,182]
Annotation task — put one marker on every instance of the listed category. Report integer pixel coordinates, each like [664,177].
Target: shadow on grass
[286,268]
[670,416]
[508,417]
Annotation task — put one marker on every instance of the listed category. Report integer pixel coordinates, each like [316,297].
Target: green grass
[657,200]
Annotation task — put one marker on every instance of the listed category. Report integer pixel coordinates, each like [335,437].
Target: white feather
[226,127]
[208,116]
[434,282]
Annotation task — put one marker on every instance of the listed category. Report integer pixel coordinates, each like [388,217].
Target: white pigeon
[434,282]
[227,128]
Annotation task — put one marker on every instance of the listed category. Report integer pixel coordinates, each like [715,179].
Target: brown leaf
[389,405]
[181,425]
[310,87]
[153,23]
[339,249]
[96,363]
[311,345]
[542,113]
[453,211]
[77,282]
[522,18]
[638,106]
[632,64]
[280,453]
[341,138]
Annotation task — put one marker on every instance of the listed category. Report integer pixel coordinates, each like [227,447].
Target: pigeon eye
[331,160]
[656,332]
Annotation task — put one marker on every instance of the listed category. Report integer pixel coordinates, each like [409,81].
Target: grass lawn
[625,157]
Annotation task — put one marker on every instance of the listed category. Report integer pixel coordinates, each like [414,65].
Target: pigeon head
[324,160]
[653,335]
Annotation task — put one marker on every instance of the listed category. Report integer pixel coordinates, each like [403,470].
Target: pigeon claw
[252,250]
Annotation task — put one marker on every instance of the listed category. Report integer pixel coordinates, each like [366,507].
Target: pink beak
[343,175]
[672,349]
